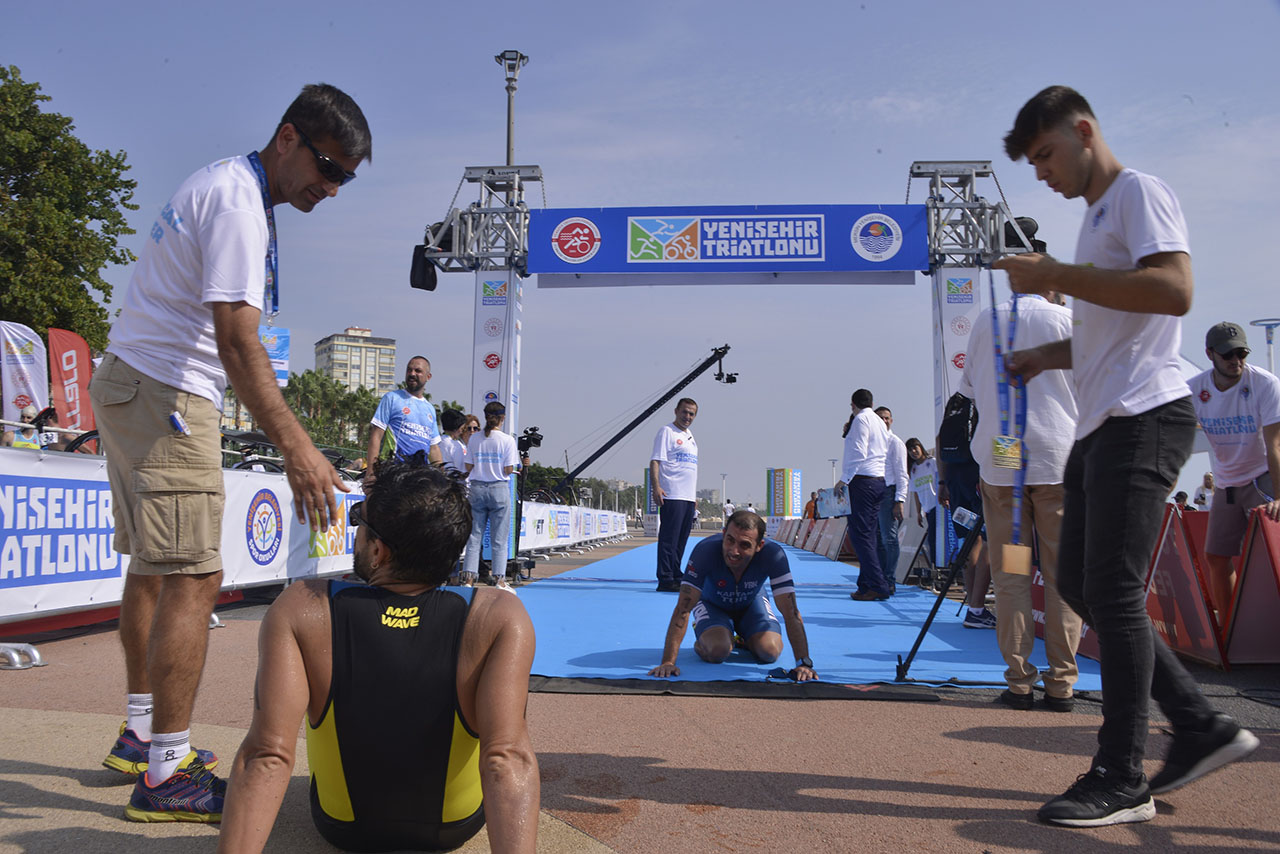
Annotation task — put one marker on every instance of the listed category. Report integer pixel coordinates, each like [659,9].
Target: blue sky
[679,104]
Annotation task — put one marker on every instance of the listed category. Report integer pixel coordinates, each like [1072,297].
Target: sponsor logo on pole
[960,290]
[576,240]
[492,361]
[493,327]
[780,237]
[876,237]
[493,293]
[958,361]
[490,396]
[960,325]
[264,527]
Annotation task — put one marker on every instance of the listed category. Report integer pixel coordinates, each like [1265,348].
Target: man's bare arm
[311,476]
[1029,363]
[508,766]
[653,478]
[1161,283]
[264,763]
[796,637]
[689,597]
[375,450]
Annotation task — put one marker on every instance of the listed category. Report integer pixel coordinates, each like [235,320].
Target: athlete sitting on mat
[723,588]
[414,694]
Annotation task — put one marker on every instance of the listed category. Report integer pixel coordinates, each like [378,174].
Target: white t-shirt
[1232,421]
[489,455]
[1126,363]
[208,245]
[677,456]
[924,483]
[1051,400]
[895,467]
[453,453]
[1203,498]
[865,446]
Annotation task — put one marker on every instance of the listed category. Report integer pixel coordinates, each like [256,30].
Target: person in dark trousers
[866,442]
[673,471]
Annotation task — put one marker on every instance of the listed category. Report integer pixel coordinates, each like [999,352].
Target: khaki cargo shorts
[166,487]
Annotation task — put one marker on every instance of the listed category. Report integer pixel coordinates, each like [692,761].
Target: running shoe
[1097,799]
[1194,754]
[129,754]
[984,619]
[193,793]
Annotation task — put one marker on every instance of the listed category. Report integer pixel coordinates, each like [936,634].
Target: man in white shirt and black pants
[862,476]
[1131,280]
[894,501]
[1239,410]
[673,471]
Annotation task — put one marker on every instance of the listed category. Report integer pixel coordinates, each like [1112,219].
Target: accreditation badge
[1006,452]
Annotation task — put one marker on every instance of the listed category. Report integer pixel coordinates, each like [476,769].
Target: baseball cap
[1225,337]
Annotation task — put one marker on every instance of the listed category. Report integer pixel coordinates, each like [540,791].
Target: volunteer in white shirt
[673,471]
[491,458]
[1239,410]
[866,442]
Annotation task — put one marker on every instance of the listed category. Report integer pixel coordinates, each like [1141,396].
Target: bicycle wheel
[86,443]
[259,464]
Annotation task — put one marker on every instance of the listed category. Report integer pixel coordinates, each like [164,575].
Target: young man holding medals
[1131,281]
[189,323]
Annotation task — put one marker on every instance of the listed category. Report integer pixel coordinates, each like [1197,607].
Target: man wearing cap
[1239,409]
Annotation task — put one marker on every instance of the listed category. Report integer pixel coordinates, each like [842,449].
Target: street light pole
[724,499]
[1270,324]
[511,61]
[833,470]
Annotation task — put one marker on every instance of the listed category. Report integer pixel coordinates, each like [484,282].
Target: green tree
[61,217]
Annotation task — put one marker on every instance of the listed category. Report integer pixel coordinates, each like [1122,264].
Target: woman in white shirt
[922,477]
[491,457]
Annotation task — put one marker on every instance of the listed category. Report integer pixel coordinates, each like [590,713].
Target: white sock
[138,714]
[977,611]
[168,749]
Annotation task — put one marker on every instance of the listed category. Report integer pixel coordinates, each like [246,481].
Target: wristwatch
[804,662]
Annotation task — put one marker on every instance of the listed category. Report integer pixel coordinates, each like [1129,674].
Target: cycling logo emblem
[264,527]
[662,239]
[576,240]
[492,361]
[876,237]
[958,361]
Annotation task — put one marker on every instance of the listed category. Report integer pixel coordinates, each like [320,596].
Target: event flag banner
[757,244]
[70,368]
[495,366]
[275,339]
[23,374]
[783,494]
[957,305]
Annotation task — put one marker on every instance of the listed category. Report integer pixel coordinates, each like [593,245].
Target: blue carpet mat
[606,621]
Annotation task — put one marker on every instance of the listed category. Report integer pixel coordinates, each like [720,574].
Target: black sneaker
[1097,799]
[1194,754]
[1014,700]
[1061,704]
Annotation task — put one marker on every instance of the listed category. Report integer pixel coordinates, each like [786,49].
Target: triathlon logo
[662,239]
[404,411]
[493,327]
[959,291]
[492,361]
[264,527]
[1204,395]
[958,361]
[876,237]
[576,240]
[961,325]
[22,401]
[493,293]
[1099,216]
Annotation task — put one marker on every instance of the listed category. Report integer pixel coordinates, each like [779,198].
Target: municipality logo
[264,527]
[876,237]
[493,293]
[960,290]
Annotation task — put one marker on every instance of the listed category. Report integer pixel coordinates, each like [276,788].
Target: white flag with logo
[24,373]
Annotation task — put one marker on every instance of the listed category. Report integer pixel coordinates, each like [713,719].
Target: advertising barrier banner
[70,368]
[23,374]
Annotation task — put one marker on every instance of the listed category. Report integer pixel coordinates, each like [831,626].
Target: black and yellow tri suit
[394,765]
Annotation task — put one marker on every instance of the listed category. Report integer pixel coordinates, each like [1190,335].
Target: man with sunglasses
[206,273]
[409,689]
[1239,410]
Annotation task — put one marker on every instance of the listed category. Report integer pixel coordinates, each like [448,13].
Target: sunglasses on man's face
[355,517]
[329,168]
[1238,353]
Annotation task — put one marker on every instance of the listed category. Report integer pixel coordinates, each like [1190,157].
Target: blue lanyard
[273,259]
[1003,384]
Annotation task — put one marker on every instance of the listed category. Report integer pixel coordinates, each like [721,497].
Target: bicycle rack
[13,653]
